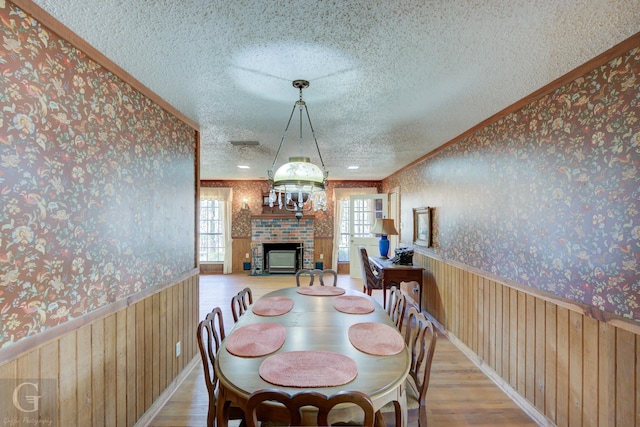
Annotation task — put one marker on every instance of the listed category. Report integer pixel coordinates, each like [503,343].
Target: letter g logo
[32,399]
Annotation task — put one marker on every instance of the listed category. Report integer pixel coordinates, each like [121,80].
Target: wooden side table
[391,274]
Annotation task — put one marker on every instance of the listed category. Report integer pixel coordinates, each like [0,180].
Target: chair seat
[412,402]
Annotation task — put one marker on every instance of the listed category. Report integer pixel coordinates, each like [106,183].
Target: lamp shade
[385,227]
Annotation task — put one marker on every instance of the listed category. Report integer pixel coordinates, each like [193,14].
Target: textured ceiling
[389,80]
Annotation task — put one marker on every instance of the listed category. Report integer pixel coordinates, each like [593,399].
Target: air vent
[244,143]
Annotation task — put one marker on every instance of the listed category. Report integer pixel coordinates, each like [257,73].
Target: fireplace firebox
[282,257]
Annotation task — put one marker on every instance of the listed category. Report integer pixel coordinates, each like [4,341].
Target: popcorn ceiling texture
[390,81]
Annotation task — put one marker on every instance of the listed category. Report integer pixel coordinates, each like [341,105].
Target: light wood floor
[459,393]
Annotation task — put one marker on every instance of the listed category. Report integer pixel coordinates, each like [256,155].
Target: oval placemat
[353,304]
[377,339]
[320,291]
[308,369]
[256,340]
[272,306]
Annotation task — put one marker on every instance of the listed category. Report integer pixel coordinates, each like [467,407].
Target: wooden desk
[391,274]
[313,324]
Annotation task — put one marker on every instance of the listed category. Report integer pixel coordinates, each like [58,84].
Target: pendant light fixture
[298,185]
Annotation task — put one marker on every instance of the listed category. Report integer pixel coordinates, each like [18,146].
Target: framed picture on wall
[422,226]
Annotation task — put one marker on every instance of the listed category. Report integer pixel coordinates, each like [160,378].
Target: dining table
[313,338]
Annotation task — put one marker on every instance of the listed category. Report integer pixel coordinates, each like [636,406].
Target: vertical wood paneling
[491,306]
[171,365]
[499,329]
[121,368]
[49,362]
[155,346]
[84,379]
[562,381]
[551,361]
[474,313]
[626,378]
[530,349]
[131,365]
[607,376]
[164,342]
[513,339]
[9,376]
[506,333]
[147,391]
[575,368]
[101,369]
[141,368]
[540,352]
[181,323]
[97,372]
[522,344]
[590,374]
[480,318]
[485,318]
[67,384]
[110,370]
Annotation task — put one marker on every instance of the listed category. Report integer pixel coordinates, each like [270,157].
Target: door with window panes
[364,209]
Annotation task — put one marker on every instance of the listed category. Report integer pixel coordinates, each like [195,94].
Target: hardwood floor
[459,393]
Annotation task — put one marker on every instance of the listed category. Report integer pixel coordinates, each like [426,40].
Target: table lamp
[384,227]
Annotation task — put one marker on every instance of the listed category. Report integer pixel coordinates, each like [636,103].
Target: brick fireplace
[278,230]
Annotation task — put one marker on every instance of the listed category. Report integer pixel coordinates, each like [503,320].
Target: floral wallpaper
[252,191]
[96,184]
[548,196]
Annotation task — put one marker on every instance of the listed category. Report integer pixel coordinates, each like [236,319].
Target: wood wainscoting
[573,369]
[111,370]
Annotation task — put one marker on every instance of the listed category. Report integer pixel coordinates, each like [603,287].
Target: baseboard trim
[166,395]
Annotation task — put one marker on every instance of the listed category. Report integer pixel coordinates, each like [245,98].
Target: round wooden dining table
[314,324]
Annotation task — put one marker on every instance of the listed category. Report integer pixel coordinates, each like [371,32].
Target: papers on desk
[320,291]
[272,306]
[308,369]
[353,304]
[258,339]
[377,339]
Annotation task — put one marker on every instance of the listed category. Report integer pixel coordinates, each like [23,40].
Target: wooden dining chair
[370,279]
[306,276]
[332,280]
[210,334]
[241,302]
[294,403]
[397,306]
[420,337]
[413,296]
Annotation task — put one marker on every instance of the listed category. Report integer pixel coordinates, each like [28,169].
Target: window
[344,238]
[211,231]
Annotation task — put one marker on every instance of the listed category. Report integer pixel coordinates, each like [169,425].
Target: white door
[363,211]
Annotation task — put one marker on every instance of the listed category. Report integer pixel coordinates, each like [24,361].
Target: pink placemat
[256,340]
[272,306]
[353,304]
[376,338]
[320,291]
[308,369]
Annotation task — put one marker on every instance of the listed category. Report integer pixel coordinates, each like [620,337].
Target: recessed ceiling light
[243,167]
[353,167]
